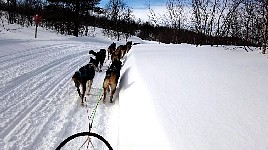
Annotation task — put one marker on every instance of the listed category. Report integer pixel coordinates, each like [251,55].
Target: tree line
[213,22]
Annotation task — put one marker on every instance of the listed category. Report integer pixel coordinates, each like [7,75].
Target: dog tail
[92,52]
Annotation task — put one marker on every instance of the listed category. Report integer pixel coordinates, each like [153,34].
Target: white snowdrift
[183,97]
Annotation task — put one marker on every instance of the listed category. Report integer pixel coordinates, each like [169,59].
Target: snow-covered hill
[169,96]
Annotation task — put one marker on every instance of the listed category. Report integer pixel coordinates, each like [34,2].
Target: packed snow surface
[169,96]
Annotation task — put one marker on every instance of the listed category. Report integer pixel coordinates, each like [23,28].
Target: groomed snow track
[39,104]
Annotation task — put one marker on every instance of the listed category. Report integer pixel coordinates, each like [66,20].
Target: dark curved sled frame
[84,134]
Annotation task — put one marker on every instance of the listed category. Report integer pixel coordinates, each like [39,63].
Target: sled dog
[111,79]
[100,57]
[111,49]
[84,74]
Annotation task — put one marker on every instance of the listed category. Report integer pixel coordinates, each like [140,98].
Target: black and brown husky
[84,75]
[111,49]
[100,57]
[111,79]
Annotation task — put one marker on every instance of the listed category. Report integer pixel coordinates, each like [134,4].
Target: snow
[195,98]
[169,96]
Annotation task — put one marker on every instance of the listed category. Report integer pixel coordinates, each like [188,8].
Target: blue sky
[138,3]
[140,7]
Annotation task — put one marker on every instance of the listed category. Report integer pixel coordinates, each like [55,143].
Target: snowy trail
[41,91]
[171,96]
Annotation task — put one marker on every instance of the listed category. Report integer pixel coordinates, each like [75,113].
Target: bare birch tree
[116,9]
[175,15]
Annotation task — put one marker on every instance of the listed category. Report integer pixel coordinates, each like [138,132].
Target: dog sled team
[86,74]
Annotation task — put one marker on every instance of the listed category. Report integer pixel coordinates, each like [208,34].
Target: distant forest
[199,22]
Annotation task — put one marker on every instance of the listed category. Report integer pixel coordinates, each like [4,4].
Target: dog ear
[91,51]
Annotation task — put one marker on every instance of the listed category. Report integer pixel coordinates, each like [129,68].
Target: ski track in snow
[44,99]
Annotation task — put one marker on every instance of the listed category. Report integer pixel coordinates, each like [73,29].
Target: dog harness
[110,70]
[84,72]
